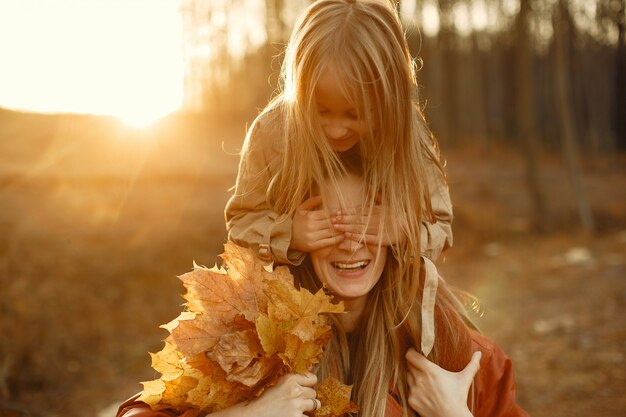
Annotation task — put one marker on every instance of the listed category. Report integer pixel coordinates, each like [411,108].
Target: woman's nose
[350,245]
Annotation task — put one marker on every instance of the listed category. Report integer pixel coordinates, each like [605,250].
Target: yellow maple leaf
[299,308]
[168,363]
[271,334]
[300,355]
[334,398]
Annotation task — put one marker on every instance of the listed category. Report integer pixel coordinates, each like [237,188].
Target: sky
[111,57]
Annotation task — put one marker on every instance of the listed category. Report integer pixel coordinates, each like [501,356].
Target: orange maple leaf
[300,310]
[218,295]
[335,399]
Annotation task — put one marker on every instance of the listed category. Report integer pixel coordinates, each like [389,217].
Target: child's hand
[311,228]
[435,392]
[357,224]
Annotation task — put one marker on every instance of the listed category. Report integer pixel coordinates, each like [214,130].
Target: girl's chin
[343,145]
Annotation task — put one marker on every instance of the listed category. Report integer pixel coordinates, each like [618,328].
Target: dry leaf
[335,399]
[271,334]
[299,355]
[300,308]
[219,295]
[242,357]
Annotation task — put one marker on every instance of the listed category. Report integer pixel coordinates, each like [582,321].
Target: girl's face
[339,117]
[349,269]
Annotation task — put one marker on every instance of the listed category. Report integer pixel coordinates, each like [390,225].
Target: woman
[373,342]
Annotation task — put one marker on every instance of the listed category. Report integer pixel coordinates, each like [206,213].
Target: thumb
[472,367]
[417,360]
[311,203]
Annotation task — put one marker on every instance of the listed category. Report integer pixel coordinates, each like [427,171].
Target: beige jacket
[251,222]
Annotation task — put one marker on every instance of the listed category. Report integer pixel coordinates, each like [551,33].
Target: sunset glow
[112,57]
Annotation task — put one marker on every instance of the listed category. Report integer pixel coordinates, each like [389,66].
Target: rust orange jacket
[494,387]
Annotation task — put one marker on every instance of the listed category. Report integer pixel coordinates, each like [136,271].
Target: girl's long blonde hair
[364,41]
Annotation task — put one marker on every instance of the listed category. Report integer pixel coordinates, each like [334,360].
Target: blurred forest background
[528,101]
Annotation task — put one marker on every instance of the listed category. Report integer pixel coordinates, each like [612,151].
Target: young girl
[348,97]
[372,343]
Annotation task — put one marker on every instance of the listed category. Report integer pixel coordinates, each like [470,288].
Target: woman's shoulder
[494,361]
[495,380]
[483,343]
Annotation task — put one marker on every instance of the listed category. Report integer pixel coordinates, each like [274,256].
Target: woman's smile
[351,268]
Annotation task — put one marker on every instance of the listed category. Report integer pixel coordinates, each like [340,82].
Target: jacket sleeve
[436,236]
[495,383]
[250,221]
[134,408]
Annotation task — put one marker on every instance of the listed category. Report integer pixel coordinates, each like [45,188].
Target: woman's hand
[357,224]
[436,392]
[311,228]
[292,396]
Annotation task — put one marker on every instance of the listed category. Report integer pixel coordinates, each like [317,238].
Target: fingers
[355,220]
[311,203]
[293,395]
[306,393]
[329,241]
[320,216]
[311,230]
[472,367]
[307,380]
[363,227]
[410,379]
[368,239]
[311,404]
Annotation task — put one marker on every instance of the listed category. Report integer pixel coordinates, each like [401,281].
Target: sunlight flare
[113,57]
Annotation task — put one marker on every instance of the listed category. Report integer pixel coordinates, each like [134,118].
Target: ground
[97,220]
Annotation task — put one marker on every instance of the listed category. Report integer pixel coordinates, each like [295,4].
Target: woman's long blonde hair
[373,357]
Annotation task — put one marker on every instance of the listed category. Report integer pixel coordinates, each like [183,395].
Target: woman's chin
[349,284]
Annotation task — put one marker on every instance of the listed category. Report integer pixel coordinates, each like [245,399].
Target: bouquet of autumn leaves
[245,325]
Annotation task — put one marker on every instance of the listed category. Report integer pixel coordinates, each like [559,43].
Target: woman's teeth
[350,266]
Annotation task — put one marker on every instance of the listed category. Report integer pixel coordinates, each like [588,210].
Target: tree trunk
[563,103]
[274,23]
[620,78]
[479,114]
[448,87]
[526,120]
